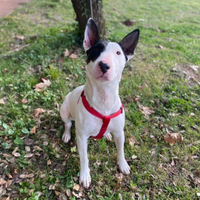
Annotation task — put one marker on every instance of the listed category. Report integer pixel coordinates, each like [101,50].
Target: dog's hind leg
[66,117]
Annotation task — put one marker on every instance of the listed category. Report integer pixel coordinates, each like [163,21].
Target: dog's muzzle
[104,67]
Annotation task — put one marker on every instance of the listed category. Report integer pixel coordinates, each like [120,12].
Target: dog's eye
[118,52]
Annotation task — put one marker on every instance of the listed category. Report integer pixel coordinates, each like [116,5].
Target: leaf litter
[173,138]
[42,85]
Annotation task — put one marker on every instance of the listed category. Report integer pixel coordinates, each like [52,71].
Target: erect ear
[129,43]
[91,34]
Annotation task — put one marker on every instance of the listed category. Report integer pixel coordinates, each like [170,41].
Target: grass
[160,77]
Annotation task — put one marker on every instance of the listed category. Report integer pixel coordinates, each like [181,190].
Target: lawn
[160,90]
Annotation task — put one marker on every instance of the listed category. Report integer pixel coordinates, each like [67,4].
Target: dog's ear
[129,43]
[91,34]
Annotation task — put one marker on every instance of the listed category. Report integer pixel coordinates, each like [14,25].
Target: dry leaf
[28,142]
[17,155]
[73,56]
[68,193]
[194,67]
[27,149]
[29,155]
[145,110]
[38,111]
[52,187]
[23,176]
[24,101]
[37,148]
[2,182]
[41,86]
[33,130]
[76,187]
[79,195]
[165,159]
[15,150]
[131,141]
[134,157]
[160,47]
[2,101]
[19,37]
[49,162]
[66,53]
[172,138]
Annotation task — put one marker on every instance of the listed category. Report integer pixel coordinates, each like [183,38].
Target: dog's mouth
[103,77]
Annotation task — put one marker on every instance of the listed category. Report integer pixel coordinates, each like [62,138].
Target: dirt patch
[191,73]
[8,6]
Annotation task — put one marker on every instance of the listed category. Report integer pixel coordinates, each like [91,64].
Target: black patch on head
[94,52]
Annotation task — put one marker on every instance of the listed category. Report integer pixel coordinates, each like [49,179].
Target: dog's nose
[104,67]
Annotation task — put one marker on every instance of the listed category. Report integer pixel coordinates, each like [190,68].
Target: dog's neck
[103,96]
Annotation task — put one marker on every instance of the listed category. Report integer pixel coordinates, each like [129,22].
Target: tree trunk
[83,13]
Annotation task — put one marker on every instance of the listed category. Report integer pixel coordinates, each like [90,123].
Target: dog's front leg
[85,178]
[119,141]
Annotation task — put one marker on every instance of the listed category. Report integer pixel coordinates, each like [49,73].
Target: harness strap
[105,119]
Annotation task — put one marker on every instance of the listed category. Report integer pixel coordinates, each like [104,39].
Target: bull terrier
[96,107]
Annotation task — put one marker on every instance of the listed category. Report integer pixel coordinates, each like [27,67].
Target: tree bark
[83,13]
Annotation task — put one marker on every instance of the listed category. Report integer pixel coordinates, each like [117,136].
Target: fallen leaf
[38,111]
[160,47]
[68,193]
[66,53]
[19,37]
[29,155]
[33,130]
[17,155]
[52,187]
[37,148]
[24,101]
[41,86]
[27,149]
[49,162]
[2,182]
[77,195]
[172,138]
[73,56]
[145,110]
[134,157]
[165,159]
[15,150]
[131,141]
[76,187]
[28,142]
[194,67]
[2,101]
[23,176]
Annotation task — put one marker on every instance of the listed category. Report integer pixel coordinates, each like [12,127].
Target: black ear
[129,43]
[91,34]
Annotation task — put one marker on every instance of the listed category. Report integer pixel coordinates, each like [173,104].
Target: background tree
[82,9]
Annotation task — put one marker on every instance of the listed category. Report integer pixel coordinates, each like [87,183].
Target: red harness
[105,119]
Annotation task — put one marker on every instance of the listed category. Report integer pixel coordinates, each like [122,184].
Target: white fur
[102,94]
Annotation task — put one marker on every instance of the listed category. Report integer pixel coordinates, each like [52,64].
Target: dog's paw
[124,167]
[85,179]
[66,137]
[108,137]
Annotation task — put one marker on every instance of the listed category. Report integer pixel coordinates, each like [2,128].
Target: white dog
[96,106]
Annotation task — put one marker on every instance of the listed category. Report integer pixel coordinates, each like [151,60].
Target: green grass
[159,76]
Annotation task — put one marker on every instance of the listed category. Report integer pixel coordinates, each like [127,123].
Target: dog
[96,107]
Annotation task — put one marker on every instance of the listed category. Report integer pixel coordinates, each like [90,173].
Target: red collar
[105,119]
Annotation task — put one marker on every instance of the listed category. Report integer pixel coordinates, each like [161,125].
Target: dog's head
[106,60]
